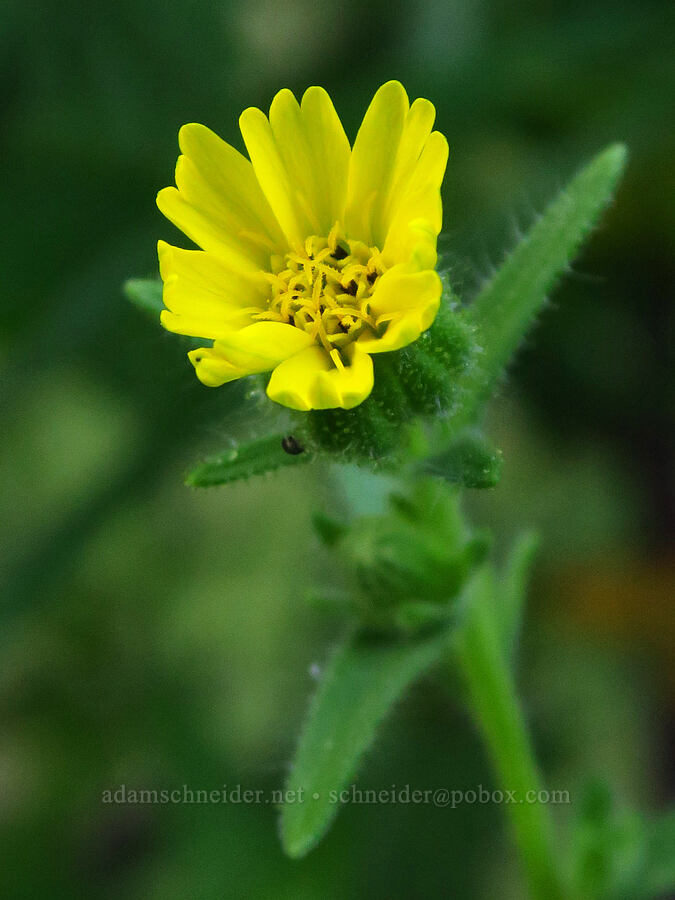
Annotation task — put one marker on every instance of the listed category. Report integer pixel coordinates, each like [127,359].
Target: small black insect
[290,445]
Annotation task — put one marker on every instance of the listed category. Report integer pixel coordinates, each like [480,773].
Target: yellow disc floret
[326,290]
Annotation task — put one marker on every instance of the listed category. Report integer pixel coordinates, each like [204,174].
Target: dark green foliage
[656,877]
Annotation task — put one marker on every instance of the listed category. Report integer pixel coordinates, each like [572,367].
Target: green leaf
[506,307]
[146,294]
[469,461]
[514,589]
[363,680]
[245,460]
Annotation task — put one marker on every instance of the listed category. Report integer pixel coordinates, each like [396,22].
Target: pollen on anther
[325,290]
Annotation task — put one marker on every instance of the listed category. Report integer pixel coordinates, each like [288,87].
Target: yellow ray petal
[272,175]
[310,380]
[271,342]
[315,152]
[373,162]
[330,152]
[202,297]
[292,144]
[196,281]
[418,198]
[207,327]
[412,248]
[221,202]
[247,351]
[213,369]
[406,303]
[416,130]
[217,178]
[394,171]
[301,158]
[208,233]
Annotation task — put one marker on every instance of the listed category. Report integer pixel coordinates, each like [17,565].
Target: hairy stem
[498,713]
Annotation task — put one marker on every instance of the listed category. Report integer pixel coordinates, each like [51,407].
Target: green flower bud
[407,566]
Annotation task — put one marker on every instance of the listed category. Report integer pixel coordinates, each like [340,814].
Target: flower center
[326,289]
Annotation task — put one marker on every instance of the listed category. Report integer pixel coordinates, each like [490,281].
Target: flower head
[314,254]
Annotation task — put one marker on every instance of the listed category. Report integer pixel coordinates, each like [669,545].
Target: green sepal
[146,295]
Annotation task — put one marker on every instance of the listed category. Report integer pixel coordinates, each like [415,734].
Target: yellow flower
[314,254]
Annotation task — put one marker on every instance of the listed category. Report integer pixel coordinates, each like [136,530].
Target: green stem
[500,718]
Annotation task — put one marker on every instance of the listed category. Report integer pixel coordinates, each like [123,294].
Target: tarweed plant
[317,279]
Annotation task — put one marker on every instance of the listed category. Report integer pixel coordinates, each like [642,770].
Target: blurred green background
[155,636]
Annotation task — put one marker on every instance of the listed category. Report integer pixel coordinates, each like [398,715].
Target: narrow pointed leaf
[364,679]
[507,306]
[514,589]
[254,458]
